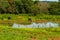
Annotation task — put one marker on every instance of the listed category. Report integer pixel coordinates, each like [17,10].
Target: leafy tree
[26,6]
[11,7]
[54,9]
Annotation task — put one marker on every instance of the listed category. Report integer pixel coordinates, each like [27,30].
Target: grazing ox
[29,19]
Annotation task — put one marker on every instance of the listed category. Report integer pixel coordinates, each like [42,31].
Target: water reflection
[36,25]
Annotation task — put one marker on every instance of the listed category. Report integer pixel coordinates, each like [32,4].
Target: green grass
[8,33]
[24,20]
[26,16]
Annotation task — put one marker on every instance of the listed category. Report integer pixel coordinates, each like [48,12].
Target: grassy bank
[9,19]
[8,33]
[26,16]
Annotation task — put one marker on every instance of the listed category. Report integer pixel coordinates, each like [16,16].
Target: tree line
[29,7]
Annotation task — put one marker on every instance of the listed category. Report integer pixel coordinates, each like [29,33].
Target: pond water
[36,25]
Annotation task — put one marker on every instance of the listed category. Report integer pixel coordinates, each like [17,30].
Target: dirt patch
[54,38]
[33,38]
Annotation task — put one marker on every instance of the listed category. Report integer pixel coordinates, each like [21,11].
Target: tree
[26,6]
[11,7]
[54,9]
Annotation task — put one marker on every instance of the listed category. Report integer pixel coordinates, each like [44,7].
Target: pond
[36,25]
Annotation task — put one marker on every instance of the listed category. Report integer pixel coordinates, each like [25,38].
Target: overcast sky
[48,0]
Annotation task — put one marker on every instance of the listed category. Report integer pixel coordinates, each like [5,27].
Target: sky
[48,0]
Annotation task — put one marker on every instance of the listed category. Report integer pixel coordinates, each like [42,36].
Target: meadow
[9,33]
[7,19]
[26,16]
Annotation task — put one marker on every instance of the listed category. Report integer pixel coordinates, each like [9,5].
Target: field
[26,16]
[8,33]
[10,19]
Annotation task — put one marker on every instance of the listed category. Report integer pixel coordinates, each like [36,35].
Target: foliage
[55,8]
[29,6]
